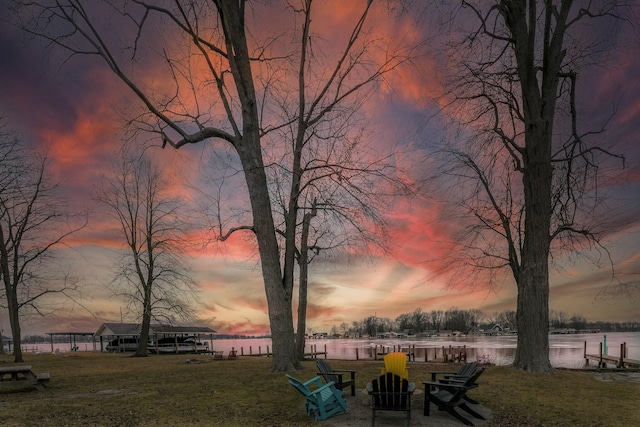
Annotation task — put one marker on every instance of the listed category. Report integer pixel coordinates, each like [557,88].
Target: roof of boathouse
[133,329]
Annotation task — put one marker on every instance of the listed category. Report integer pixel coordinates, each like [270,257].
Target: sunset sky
[72,110]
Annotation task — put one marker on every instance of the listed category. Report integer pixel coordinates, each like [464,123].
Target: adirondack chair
[466,371]
[336,376]
[396,363]
[390,392]
[463,373]
[449,396]
[323,400]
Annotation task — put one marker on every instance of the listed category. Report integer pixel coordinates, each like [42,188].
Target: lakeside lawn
[92,389]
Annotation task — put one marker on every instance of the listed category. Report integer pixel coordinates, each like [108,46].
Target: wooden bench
[16,376]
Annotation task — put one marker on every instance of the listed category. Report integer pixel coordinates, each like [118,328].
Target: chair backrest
[298,385]
[460,392]
[470,381]
[467,370]
[396,363]
[326,370]
[390,391]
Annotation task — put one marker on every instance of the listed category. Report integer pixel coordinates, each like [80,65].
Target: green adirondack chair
[323,400]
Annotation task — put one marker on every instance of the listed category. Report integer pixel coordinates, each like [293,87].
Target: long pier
[621,361]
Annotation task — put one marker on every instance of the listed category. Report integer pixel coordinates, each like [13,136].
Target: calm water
[566,350]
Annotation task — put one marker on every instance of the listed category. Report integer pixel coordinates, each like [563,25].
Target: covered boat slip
[124,337]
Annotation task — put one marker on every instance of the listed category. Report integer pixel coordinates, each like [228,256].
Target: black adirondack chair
[337,376]
[448,396]
[467,370]
[390,392]
[464,373]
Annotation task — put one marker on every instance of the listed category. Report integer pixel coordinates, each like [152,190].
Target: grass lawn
[91,389]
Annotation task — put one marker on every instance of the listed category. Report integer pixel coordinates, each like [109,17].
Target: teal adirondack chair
[323,400]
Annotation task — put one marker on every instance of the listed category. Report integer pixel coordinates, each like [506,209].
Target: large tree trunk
[532,316]
[278,299]
[539,79]
[250,153]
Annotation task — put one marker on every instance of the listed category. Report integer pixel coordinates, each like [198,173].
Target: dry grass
[119,390]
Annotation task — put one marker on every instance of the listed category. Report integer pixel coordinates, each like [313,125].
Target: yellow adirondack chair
[396,363]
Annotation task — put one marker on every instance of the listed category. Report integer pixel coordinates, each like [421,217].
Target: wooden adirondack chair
[396,363]
[460,377]
[336,376]
[449,396]
[463,373]
[323,400]
[390,392]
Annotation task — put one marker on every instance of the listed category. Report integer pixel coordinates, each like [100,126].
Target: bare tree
[153,276]
[527,169]
[33,222]
[211,95]
[327,188]
[210,55]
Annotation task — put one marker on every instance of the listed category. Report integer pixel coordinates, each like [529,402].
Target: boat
[122,345]
[175,345]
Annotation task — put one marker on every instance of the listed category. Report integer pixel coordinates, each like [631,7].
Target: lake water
[566,351]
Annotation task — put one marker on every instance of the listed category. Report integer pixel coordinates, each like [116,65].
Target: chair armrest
[439,384]
[435,373]
[315,380]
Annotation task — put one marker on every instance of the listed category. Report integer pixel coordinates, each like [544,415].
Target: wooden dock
[313,352]
[439,354]
[621,361]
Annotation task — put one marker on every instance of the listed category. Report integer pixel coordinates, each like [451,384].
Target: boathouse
[123,337]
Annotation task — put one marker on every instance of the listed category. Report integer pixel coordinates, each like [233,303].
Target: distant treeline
[455,319]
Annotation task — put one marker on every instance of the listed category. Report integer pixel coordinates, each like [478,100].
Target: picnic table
[12,376]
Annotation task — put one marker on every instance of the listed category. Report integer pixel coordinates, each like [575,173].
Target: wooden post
[325,351]
[268,351]
[357,358]
[621,360]
[600,362]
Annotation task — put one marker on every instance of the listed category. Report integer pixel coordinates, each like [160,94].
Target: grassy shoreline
[119,390]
